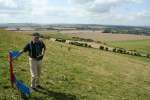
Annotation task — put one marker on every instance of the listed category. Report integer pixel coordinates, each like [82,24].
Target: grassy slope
[140,45]
[82,73]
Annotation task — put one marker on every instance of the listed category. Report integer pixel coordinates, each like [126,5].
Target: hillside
[79,74]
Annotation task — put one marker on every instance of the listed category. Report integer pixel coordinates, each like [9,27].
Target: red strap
[11,70]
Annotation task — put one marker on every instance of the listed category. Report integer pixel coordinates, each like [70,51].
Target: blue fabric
[19,84]
[22,88]
[14,54]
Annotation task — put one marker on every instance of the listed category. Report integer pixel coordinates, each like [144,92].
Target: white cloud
[101,6]
[8,3]
[106,11]
[78,11]
[39,8]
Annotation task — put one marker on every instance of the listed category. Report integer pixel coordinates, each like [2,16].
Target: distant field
[139,45]
[95,35]
[99,36]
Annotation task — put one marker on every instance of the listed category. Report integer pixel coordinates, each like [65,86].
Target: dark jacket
[34,49]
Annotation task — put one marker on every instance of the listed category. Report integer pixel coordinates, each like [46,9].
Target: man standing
[36,49]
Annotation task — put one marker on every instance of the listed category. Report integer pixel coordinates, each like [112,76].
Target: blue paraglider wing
[22,87]
[19,84]
[14,54]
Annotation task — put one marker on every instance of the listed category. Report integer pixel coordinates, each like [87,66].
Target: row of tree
[126,31]
[116,50]
[124,51]
[82,39]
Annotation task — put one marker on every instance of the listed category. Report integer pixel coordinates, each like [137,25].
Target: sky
[104,12]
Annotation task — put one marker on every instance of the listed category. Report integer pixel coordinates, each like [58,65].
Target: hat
[36,34]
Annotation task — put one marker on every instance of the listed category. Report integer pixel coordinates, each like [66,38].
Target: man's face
[35,38]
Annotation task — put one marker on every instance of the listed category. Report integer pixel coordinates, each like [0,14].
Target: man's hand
[40,57]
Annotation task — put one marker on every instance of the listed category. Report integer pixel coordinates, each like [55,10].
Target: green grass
[79,74]
[139,45]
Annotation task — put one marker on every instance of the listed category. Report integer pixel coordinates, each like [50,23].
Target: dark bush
[79,44]
[85,44]
[114,49]
[148,55]
[106,48]
[124,51]
[60,40]
[121,50]
[137,54]
[101,47]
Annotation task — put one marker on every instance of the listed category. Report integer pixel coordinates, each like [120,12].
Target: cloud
[75,11]
[112,11]
[79,8]
[145,14]
[101,6]
[8,4]
[14,7]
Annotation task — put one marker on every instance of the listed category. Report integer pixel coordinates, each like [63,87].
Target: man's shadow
[56,95]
